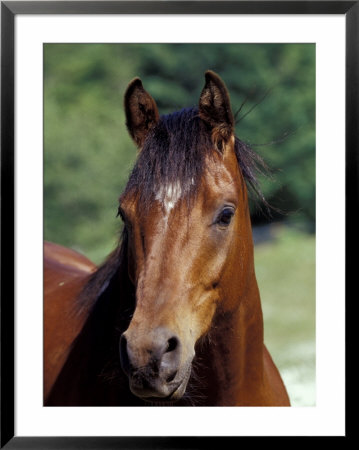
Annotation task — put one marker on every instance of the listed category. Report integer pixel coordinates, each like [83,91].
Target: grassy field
[285,269]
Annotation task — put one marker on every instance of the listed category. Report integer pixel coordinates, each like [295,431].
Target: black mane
[175,153]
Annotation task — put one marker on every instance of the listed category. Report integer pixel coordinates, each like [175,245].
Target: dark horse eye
[225,216]
[120,213]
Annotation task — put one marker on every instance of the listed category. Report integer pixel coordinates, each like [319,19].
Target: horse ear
[141,111]
[215,108]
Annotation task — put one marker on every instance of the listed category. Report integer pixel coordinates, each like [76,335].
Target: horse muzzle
[153,364]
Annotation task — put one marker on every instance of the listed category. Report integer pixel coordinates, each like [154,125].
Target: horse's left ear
[141,111]
[215,107]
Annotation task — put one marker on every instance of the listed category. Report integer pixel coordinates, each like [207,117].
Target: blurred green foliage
[88,153]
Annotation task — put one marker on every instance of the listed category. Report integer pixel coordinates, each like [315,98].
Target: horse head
[190,248]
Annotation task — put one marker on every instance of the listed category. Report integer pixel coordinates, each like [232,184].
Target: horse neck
[235,348]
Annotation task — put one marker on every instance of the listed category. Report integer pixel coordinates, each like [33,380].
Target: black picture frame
[9,10]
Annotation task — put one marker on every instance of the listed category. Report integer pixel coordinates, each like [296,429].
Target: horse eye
[122,214]
[225,216]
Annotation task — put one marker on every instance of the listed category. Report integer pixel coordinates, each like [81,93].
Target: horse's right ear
[141,111]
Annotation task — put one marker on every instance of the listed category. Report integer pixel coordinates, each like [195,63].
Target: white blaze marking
[169,196]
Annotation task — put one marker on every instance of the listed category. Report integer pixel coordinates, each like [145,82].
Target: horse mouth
[170,399]
[158,399]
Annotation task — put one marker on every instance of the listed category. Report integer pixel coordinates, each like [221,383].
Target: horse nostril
[171,377]
[171,344]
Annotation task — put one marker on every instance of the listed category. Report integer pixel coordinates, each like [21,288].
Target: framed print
[140,285]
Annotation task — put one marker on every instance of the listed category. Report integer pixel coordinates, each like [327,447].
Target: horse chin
[170,400]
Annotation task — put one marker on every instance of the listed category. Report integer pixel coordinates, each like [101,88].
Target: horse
[173,316]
